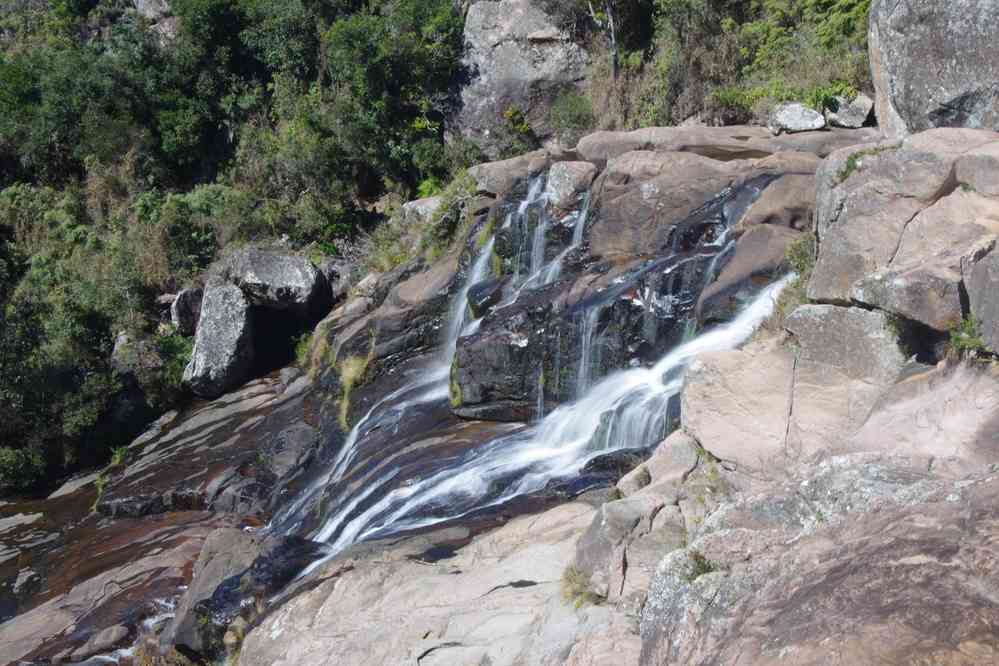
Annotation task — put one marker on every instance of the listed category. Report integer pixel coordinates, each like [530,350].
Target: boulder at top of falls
[186,309]
[567,181]
[223,346]
[793,117]
[277,280]
[935,64]
[849,113]
[519,59]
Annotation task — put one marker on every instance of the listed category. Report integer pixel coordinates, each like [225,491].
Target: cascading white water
[587,331]
[626,409]
[431,385]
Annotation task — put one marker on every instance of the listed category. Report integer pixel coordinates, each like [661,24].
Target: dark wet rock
[518,59]
[233,455]
[483,296]
[277,280]
[233,581]
[186,310]
[793,117]
[616,464]
[102,642]
[851,113]
[758,257]
[337,274]
[99,576]
[223,346]
[935,64]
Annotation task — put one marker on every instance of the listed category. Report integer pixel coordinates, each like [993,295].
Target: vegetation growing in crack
[966,339]
[700,566]
[577,590]
[856,160]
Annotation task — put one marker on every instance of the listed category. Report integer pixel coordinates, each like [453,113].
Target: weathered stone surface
[757,259]
[981,279]
[103,641]
[186,310]
[793,117]
[787,202]
[934,64]
[518,59]
[420,211]
[736,403]
[721,143]
[277,280]
[857,558]
[567,181]
[895,224]
[497,600]
[852,114]
[223,346]
[501,177]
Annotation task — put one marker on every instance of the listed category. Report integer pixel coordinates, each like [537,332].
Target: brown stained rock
[787,202]
[722,143]
[500,177]
[759,256]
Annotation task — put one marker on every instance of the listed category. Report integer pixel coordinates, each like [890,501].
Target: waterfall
[626,409]
[431,385]
[587,331]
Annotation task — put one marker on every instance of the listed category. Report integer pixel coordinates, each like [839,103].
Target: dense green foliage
[132,154]
[727,61]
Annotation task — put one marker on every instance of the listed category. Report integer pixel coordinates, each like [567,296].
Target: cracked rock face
[935,64]
[897,222]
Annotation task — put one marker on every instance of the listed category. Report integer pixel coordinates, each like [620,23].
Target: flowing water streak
[431,385]
[587,331]
[626,409]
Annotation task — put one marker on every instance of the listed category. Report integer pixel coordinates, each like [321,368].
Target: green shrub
[20,469]
[572,115]
[966,339]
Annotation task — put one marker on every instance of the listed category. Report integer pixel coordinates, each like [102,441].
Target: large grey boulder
[223,346]
[518,59]
[935,64]
[850,113]
[277,280]
[792,117]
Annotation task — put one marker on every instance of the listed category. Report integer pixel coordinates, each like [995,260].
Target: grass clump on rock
[576,588]
[965,338]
